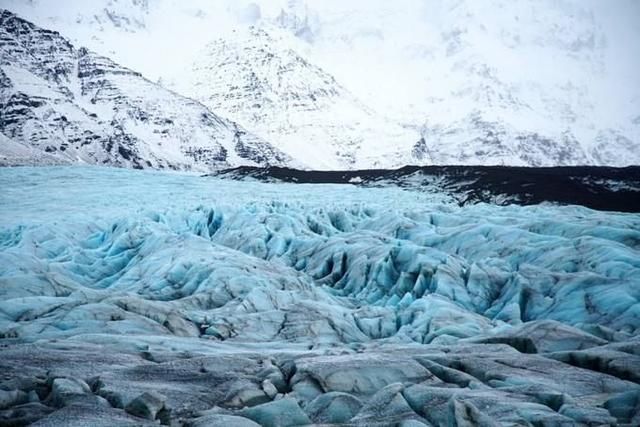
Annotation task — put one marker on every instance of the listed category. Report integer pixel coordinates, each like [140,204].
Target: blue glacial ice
[342,297]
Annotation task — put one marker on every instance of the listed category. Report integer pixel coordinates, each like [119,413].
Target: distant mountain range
[319,85]
[60,104]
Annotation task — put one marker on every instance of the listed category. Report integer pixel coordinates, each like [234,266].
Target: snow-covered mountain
[253,77]
[489,82]
[414,81]
[63,104]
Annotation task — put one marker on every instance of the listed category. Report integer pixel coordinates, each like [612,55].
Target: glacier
[131,297]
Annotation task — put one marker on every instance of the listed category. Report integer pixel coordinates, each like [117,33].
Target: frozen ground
[129,297]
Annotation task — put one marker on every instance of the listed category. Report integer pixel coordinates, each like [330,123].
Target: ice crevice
[406,282]
[365,265]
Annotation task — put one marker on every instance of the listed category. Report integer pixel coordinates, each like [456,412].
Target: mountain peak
[257,77]
[340,85]
[76,106]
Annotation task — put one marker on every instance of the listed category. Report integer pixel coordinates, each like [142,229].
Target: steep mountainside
[254,77]
[62,104]
[491,82]
[376,83]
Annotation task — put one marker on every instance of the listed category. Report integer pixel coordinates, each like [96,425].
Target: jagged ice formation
[329,303]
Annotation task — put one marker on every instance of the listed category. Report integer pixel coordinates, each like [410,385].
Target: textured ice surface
[245,302]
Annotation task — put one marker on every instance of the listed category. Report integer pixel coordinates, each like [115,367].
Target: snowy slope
[489,82]
[255,77]
[76,106]
[492,82]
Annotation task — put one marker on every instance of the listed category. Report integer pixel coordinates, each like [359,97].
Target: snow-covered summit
[426,82]
[490,82]
[63,104]
[256,77]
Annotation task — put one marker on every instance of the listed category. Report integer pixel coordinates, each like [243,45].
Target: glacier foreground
[137,297]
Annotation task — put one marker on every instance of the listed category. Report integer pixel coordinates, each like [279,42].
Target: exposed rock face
[60,104]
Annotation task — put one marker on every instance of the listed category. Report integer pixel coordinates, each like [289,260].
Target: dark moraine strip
[602,188]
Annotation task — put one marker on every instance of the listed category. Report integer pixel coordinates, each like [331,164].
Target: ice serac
[62,104]
[288,303]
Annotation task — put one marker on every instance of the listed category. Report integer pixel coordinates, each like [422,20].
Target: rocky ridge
[62,104]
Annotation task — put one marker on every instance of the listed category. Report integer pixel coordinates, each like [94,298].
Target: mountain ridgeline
[62,104]
[254,97]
